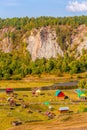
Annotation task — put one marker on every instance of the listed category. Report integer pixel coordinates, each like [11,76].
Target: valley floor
[76,122]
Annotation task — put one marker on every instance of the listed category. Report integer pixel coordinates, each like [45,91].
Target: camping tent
[47,103]
[77,91]
[59,94]
[50,107]
[38,91]
[9,90]
[81,93]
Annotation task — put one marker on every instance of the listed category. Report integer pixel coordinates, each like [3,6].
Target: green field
[31,81]
[34,105]
[31,114]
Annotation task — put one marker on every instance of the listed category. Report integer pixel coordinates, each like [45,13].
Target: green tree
[82,84]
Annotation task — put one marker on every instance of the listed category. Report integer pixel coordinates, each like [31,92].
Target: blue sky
[36,8]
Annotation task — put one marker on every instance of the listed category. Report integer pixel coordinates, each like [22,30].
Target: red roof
[61,94]
[9,90]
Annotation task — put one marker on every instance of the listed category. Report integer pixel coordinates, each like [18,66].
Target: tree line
[27,23]
[18,65]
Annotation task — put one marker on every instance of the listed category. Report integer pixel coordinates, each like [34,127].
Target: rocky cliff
[42,42]
[79,40]
[5,42]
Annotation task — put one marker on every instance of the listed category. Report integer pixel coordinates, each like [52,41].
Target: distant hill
[44,36]
[29,39]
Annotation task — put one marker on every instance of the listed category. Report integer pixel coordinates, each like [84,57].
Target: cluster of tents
[58,93]
[81,94]
[37,91]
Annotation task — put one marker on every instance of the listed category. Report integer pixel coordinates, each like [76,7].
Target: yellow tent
[82,95]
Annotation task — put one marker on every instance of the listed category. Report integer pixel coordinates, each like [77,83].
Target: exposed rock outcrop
[5,41]
[43,44]
[6,45]
[79,40]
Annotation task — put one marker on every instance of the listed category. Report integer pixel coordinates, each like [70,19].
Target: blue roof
[77,90]
[63,108]
[57,92]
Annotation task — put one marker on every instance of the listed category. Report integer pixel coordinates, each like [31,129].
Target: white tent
[38,91]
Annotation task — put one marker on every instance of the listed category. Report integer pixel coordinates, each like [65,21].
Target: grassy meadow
[35,109]
[31,81]
[34,104]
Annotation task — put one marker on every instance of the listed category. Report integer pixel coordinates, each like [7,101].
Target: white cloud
[76,6]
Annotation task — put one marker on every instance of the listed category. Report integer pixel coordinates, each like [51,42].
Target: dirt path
[50,127]
[75,122]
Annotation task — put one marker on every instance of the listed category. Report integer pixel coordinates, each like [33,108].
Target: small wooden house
[63,109]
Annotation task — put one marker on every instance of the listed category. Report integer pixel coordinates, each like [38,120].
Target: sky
[37,8]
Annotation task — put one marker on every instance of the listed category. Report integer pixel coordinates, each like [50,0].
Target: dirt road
[74,122]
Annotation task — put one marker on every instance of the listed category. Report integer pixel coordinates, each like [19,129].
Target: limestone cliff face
[6,45]
[43,43]
[5,42]
[79,41]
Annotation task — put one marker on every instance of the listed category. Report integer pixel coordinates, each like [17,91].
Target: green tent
[80,93]
[46,103]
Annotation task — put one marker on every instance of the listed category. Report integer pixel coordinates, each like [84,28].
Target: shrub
[82,83]
[17,77]
[82,108]
[79,76]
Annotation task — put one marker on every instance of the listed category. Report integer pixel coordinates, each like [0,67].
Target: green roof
[57,92]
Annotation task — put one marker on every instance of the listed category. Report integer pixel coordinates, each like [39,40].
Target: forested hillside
[42,45]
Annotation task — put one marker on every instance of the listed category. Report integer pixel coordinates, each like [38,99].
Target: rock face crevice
[43,44]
